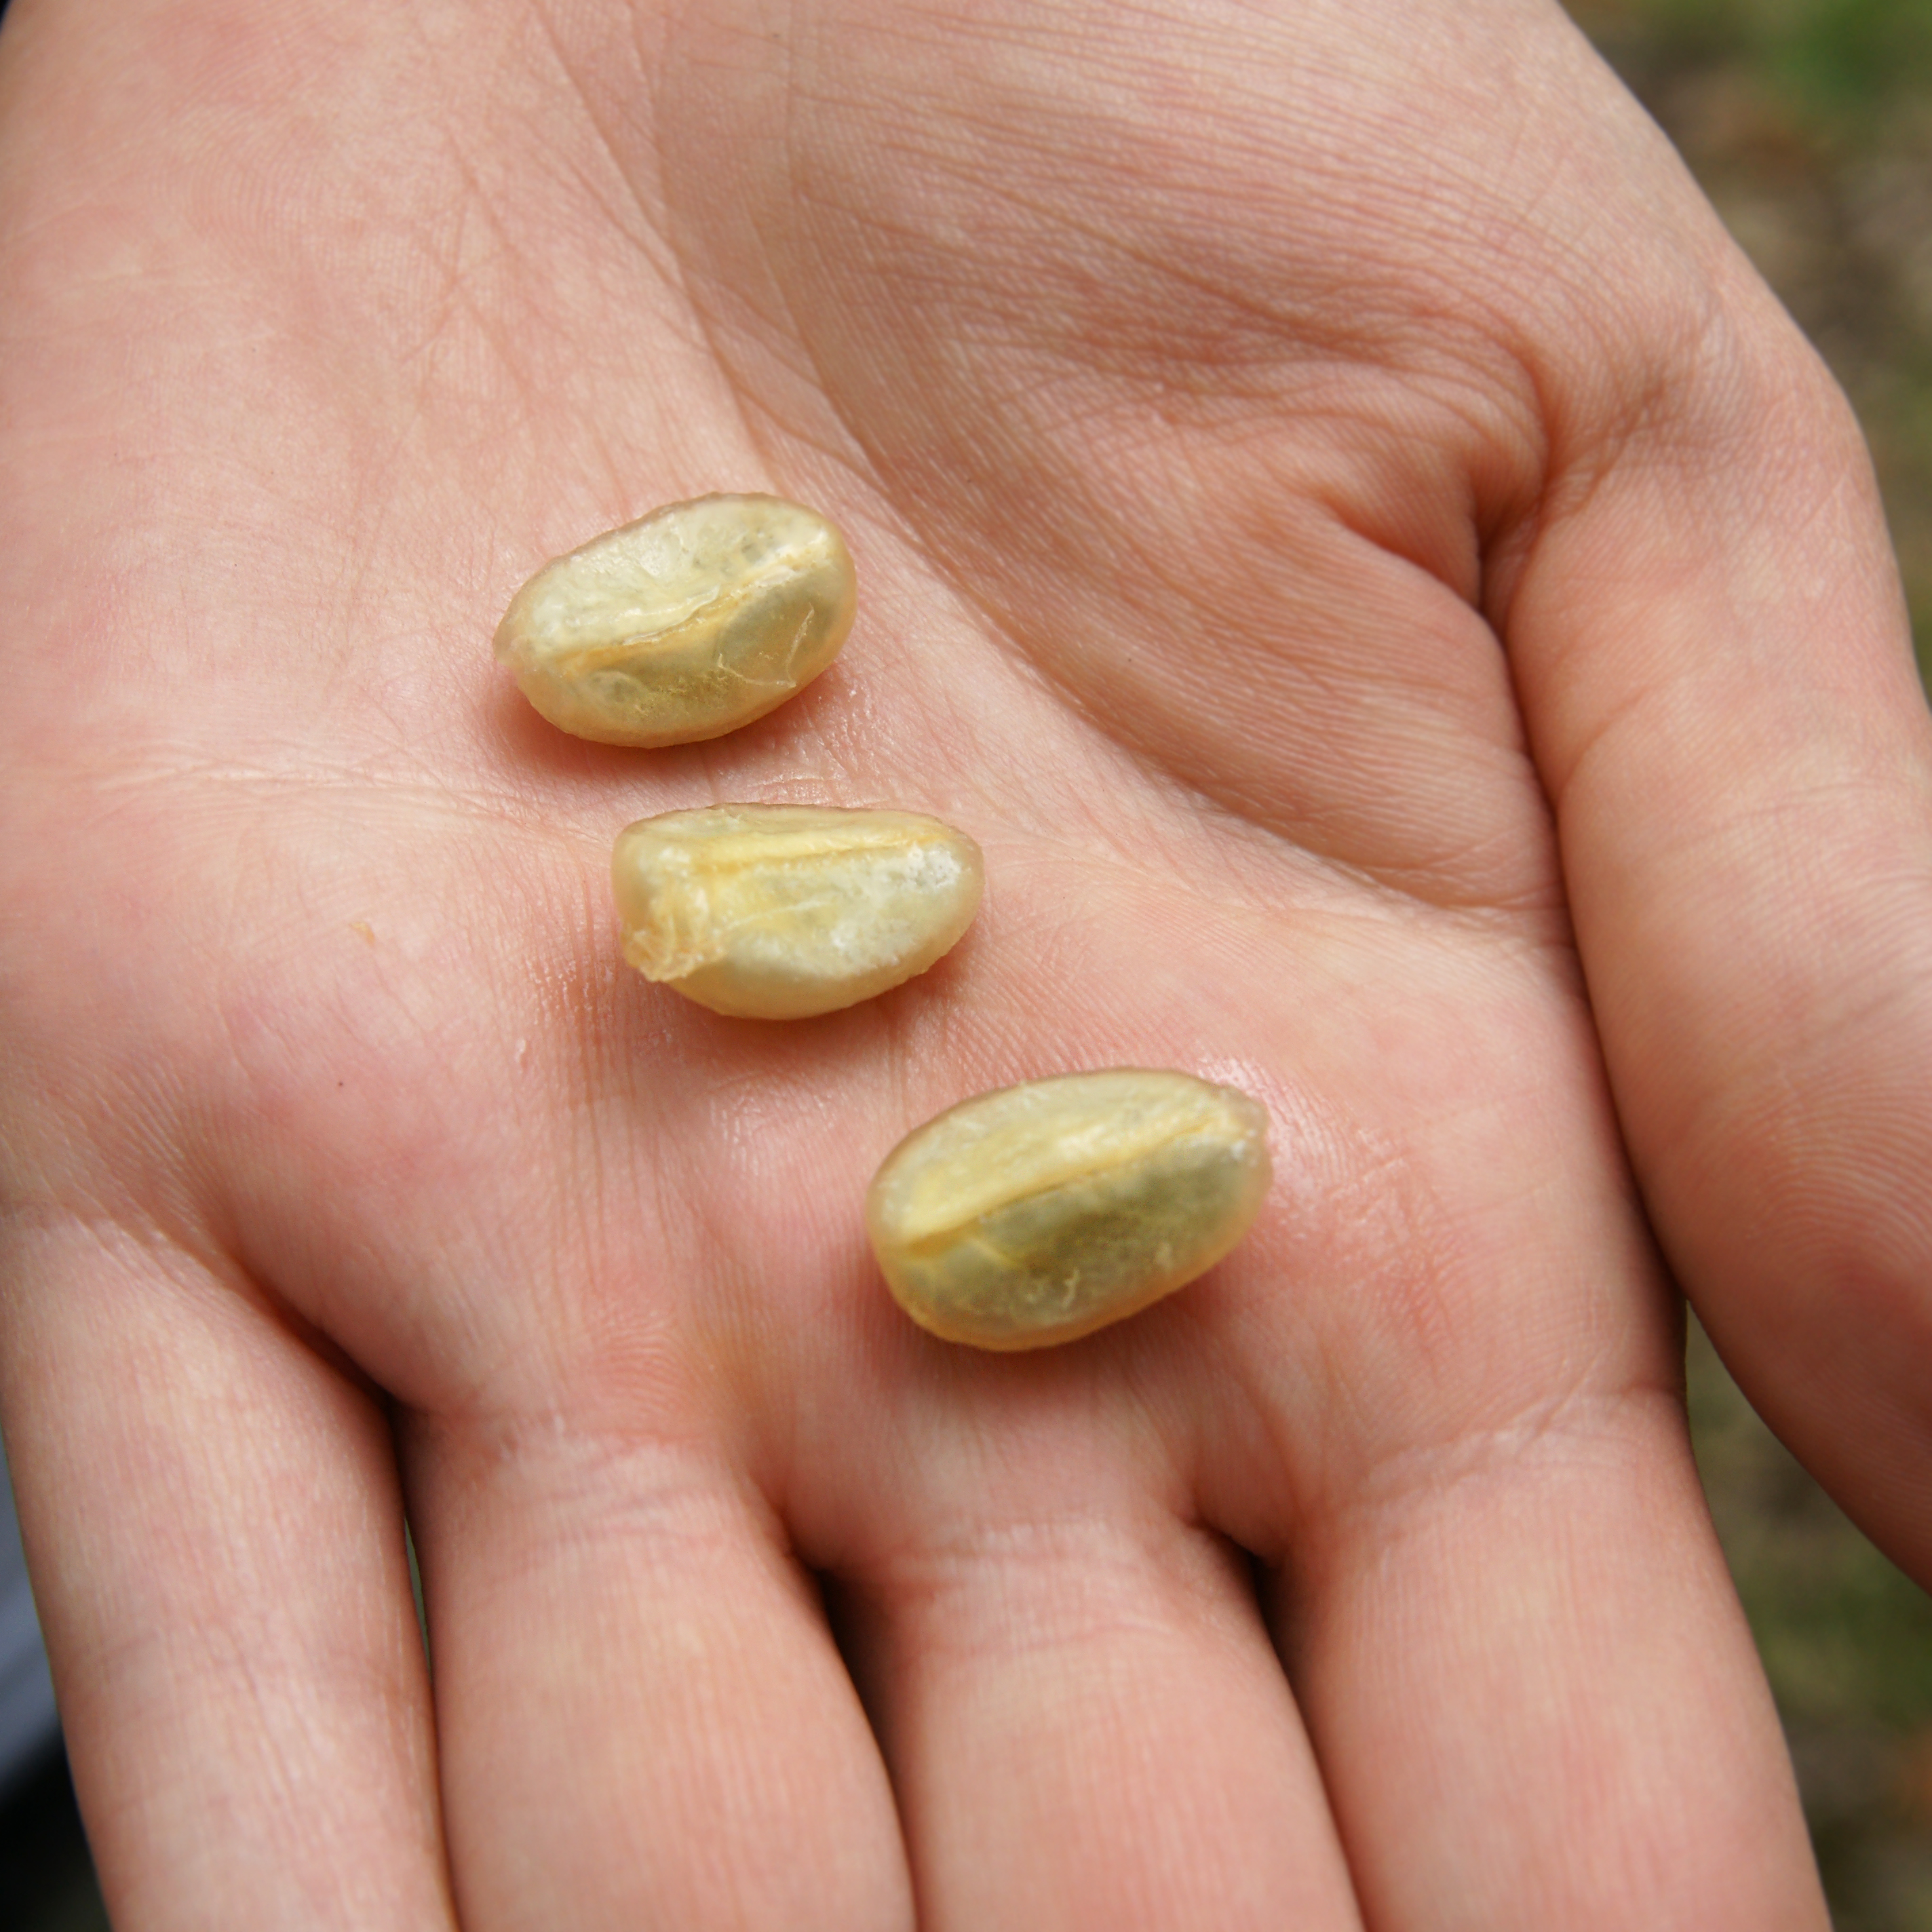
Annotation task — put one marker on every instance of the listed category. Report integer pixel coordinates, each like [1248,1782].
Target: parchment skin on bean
[685,625]
[1040,1213]
[784,911]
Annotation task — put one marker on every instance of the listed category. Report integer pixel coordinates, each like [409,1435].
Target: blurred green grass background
[1809,124]
[1846,1641]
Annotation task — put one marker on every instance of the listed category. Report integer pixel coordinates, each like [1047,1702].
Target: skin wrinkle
[1585,451]
[213,1277]
[1243,884]
[692,283]
[453,297]
[375,502]
[964,587]
[1413,1290]
[1588,451]
[222,1291]
[922,1574]
[1361,1226]
[1276,321]
[587,951]
[1232,805]
[647,228]
[1416,883]
[1562,1428]
[1633,714]
[1775,1089]
[601,1481]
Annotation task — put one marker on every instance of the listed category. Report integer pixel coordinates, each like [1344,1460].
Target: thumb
[1711,649]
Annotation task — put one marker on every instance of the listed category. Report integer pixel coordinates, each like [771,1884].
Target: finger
[1088,1726]
[211,1516]
[642,1709]
[1536,1701]
[1711,648]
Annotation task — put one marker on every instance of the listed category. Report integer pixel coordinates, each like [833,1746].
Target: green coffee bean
[780,911]
[685,625]
[1042,1212]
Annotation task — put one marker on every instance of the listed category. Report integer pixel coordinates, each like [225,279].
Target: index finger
[1711,648]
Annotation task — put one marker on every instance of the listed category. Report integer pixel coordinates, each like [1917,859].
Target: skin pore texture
[1410,625]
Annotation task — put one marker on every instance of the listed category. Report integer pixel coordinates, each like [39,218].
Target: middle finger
[1083,1718]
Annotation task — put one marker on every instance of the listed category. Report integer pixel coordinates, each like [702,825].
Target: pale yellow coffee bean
[685,625]
[777,912]
[1043,1212]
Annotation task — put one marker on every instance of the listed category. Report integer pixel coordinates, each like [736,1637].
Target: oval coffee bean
[780,911]
[685,625]
[1042,1212]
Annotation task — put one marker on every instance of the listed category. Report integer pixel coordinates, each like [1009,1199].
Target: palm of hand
[1178,497]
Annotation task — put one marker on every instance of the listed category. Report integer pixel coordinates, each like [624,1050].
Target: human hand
[1340,526]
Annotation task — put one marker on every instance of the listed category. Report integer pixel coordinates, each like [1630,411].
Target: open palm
[1338,526]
